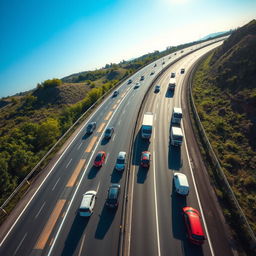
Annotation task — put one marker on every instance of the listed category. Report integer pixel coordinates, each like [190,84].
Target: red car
[193,225]
[100,159]
[145,159]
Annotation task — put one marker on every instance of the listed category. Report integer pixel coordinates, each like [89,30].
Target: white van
[87,204]
[181,183]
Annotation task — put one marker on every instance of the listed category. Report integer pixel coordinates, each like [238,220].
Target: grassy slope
[225,108]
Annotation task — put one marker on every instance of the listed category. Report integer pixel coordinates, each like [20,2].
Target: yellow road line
[108,115]
[114,106]
[101,127]
[122,95]
[75,174]
[118,101]
[41,242]
[90,146]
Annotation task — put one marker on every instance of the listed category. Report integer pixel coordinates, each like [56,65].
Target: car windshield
[147,131]
[89,126]
[178,115]
[145,161]
[197,237]
[84,210]
[98,157]
[120,161]
[178,138]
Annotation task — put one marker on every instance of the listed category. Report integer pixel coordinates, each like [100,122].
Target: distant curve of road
[50,224]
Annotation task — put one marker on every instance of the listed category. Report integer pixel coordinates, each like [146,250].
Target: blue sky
[40,40]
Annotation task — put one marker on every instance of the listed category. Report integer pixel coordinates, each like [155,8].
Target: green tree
[52,83]
[48,132]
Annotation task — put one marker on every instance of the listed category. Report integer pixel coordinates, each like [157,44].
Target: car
[182,71]
[155,65]
[157,88]
[163,62]
[137,85]
[145,159]
[173,74]
[129,81]
[142,78]
[194,226]
[108,133]
[113,196]
[120,161]
[91,127]
[181,184]
[152,73]
[99,159]
[87,204]
[115,93]
[175,53]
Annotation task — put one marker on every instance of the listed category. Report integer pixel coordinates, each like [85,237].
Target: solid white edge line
[198,198]
[40,210]
[18,247]
[78,184]
[156,210]
[99,108]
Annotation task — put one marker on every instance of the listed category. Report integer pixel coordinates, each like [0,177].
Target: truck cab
[176,116]
[172,84]
[176,136]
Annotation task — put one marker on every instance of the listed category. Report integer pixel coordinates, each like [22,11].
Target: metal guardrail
[216,164]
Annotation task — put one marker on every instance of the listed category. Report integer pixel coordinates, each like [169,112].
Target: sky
[47,39]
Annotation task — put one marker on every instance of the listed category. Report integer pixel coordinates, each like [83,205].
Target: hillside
[224,91]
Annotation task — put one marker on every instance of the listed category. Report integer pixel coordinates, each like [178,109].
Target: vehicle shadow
[169,94]
[142,175]
[106,218]
[93,172]
[178,226]
[104,141]
[74,236]
[86,136]
[116,176]
[174,157]
[139,146]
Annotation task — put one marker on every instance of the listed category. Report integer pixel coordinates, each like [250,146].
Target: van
[181,184]
[87,204]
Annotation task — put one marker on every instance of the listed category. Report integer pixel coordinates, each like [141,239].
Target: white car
[137,85]
[121,161]
[181,183]
[87,204]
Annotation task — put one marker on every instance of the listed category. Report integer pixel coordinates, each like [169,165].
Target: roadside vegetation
[224,92]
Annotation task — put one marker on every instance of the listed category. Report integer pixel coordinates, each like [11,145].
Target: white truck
[176,116]
[176,136]
[147,125]
[172,84]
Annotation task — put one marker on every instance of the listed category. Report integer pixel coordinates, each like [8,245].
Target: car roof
[87,198]
[113,191]
[194,220]
[182,178]
[121,155]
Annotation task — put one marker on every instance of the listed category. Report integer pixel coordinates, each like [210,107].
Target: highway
[50,224]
